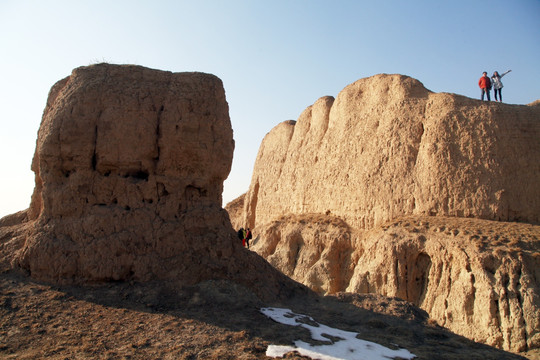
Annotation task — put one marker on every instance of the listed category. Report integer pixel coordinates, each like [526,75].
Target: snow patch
[347,347]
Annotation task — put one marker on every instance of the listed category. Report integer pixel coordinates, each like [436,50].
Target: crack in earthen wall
[94,149]
[158,136]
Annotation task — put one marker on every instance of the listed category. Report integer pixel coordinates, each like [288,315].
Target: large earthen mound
[332,196]
[387,146]
[129,169]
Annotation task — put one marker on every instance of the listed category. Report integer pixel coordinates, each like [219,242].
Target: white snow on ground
[348,347]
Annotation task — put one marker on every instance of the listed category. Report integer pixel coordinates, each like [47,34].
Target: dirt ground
[212,320]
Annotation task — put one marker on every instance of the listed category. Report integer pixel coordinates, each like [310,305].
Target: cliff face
[393,189]
[122,163]
[129,166]
[388,147]
[476,277]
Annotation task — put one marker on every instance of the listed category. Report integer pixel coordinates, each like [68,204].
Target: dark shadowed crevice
[137,174]
[158,135]
[420,279]
[94,154]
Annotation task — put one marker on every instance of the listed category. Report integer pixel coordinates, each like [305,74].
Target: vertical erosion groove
[252,207]
[158,134]
[94,154]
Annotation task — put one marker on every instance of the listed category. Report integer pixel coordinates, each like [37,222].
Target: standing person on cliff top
[485,85]
[497,84]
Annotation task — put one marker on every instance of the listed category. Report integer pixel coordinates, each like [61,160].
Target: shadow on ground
[212,320]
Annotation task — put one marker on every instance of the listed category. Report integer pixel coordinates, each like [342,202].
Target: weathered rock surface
[129,166]
[476,277]
[329,190]
[388,147]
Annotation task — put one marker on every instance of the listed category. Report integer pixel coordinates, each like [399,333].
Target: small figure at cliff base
[242,235]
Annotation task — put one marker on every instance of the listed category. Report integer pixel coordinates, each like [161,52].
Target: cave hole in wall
[419,280]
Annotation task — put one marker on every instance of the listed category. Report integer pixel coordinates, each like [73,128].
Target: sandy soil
[213,320]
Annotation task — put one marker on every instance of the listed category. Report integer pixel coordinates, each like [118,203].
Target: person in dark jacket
[241,235]
[248,237]
[485,85]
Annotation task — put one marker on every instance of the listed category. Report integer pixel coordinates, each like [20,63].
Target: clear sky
[275,57]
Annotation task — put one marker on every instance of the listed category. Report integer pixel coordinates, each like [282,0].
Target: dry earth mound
[327,189]
[386,146]
[129,169]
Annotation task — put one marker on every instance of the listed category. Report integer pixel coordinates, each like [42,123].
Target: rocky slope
[476,277]
[211,320]
[393,189]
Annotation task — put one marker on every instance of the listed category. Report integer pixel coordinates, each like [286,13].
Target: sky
[275,58]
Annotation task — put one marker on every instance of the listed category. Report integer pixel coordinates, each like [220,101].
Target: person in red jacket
[485,85]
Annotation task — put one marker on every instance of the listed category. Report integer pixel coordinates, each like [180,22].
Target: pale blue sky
[275,57]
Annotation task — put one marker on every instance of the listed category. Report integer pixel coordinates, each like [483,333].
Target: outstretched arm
[504,73]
